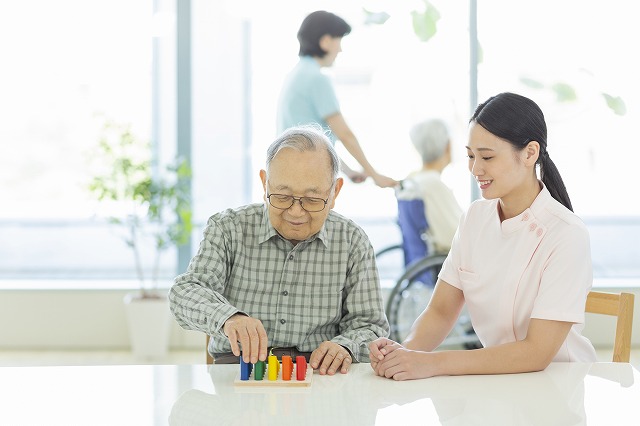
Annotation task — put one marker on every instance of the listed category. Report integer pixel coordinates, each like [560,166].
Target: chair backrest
[206,351]
[413,225]
[619,305]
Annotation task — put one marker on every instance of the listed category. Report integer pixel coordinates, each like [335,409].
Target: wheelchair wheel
[411,294]
[410,297]
[390,263]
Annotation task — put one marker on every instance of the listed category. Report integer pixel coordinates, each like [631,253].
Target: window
[67,66]
[571,57]
[74,63]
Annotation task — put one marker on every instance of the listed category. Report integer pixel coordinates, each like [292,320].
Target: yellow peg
[273,367]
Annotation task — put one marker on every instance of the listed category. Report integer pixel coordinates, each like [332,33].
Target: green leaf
[157,202]
[375,18]
[529,82]
[616,104]
[424,23]
[564,92]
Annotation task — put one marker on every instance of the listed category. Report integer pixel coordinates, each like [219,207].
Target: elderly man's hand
[329,358]
[250,333]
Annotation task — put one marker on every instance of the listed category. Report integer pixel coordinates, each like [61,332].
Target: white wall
[72,319]
[95,319]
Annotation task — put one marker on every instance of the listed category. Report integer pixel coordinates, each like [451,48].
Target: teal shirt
[307,96]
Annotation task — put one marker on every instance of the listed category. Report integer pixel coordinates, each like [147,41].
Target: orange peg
[287,367]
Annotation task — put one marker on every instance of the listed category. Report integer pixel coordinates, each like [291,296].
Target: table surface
[562,394]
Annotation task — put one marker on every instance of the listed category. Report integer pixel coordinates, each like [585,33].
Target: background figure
[308,95]
[440,208]
[520,261]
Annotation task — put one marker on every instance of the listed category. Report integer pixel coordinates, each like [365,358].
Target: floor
[44,358]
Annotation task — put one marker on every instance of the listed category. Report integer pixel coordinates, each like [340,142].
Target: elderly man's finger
[341,362]
[263,342]
[317,356]
[253,349]
[233,341]
[328,363]
[245,342]
[336,363]
[346,364]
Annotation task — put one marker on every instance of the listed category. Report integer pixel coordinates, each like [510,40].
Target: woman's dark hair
[316,25]
[518,120]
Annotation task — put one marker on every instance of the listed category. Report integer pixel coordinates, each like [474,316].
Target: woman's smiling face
[496,165]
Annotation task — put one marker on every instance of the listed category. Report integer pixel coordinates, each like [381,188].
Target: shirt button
[290,257]
[282,321]
[532,226]
[285,293]
[525,216]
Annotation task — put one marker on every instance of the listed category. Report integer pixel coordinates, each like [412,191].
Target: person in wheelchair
[520,261]
[428,212]
[428,216]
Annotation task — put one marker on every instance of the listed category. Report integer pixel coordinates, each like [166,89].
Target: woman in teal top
[308,95]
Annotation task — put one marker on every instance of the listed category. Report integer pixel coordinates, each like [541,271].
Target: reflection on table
[563,394]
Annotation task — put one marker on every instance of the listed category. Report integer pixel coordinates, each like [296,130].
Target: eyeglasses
[284,202]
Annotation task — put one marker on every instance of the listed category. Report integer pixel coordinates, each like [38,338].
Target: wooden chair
[619,305]
[206,351]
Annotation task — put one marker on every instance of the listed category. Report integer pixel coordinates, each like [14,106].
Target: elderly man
[290,273]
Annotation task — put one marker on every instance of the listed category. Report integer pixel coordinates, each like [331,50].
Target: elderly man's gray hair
[305,138]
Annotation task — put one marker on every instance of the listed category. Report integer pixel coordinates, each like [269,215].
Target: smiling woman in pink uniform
[520,261]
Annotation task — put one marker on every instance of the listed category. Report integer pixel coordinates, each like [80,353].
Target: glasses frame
[299,200]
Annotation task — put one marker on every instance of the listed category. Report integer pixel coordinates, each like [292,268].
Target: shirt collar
[266,230]
[323,235]
[309,60]
[534,211]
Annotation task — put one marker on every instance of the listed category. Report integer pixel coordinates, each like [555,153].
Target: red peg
[301,368]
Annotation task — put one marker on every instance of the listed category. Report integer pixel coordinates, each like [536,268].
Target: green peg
[258,371]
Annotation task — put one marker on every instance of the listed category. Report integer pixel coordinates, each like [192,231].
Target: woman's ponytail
[553,181]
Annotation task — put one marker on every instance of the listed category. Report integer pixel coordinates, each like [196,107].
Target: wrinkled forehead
[309,165]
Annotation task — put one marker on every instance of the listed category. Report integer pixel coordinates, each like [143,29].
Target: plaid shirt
[323,288]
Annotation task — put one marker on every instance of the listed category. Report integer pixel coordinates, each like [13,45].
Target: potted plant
[152,206]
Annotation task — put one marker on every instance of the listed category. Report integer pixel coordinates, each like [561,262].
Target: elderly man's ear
[263,178]
[336,191]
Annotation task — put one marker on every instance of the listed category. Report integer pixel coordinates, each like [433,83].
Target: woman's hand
[405,364]
[379,348]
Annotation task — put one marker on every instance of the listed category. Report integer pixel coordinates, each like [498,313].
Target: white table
[563,394]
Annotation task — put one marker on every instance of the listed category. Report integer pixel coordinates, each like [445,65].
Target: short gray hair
[309,137]
[430,138]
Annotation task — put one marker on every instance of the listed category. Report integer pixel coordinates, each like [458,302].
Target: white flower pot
[148,320]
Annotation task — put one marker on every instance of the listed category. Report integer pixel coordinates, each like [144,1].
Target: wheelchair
[413,289]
